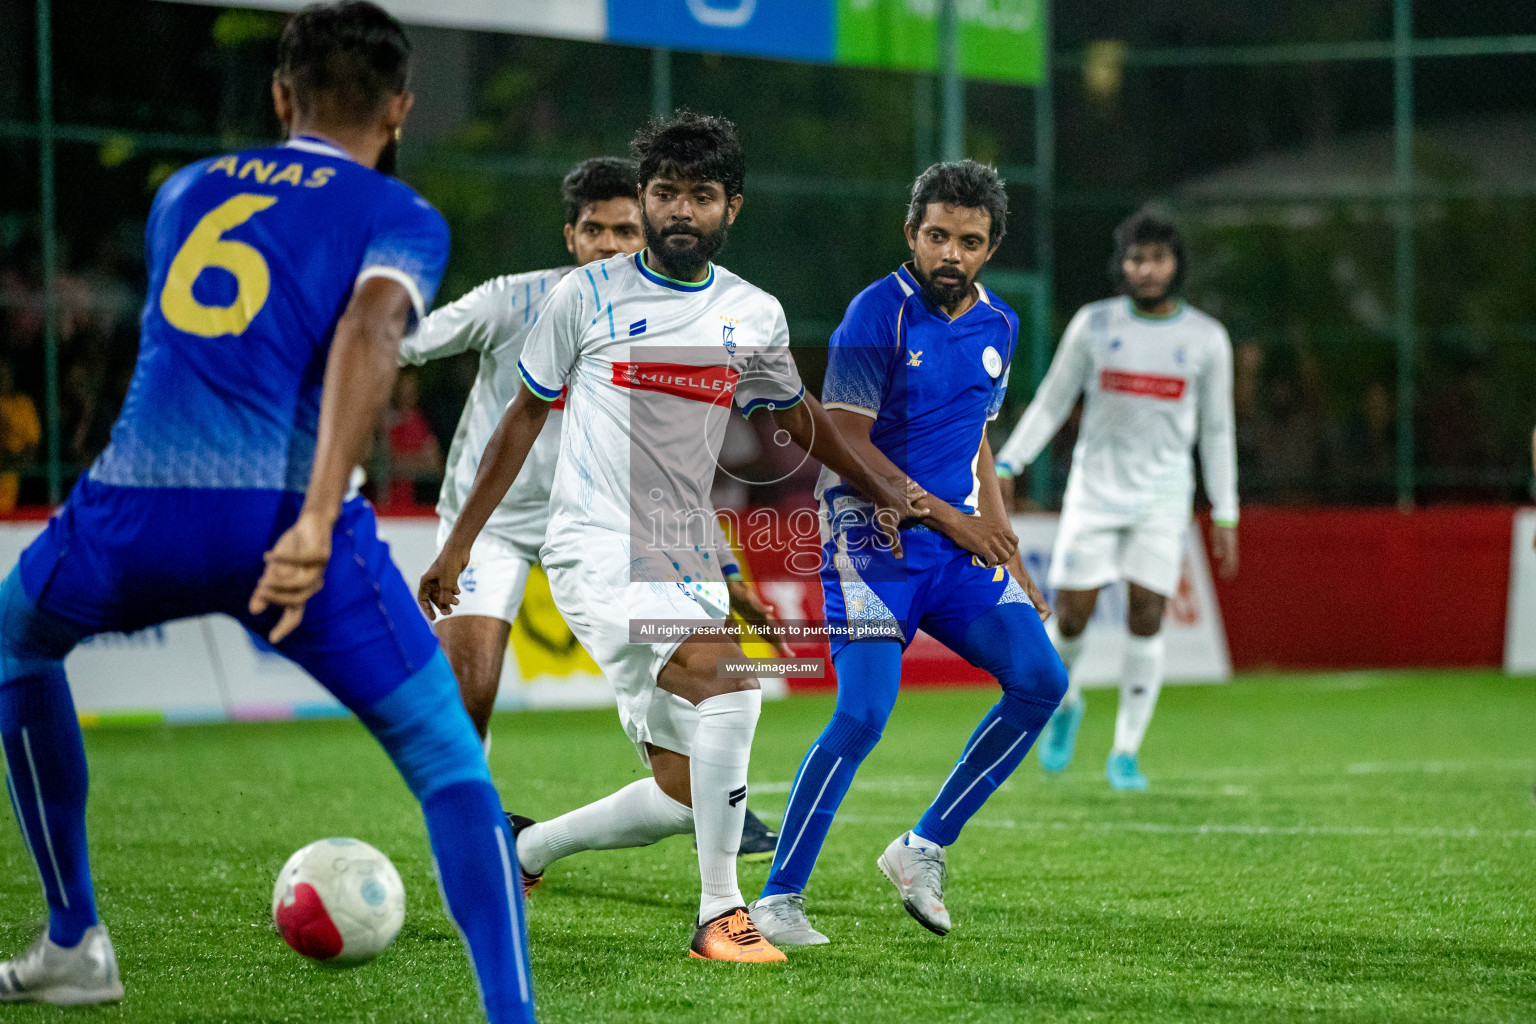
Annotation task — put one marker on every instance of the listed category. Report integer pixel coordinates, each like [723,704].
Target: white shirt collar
[315,144]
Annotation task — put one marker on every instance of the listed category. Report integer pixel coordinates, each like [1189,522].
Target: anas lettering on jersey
[240,250]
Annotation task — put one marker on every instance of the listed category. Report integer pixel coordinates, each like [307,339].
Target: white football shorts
[593,582]
[1096,548]
[493,582]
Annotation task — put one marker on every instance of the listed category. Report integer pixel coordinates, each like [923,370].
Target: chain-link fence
[1358,181]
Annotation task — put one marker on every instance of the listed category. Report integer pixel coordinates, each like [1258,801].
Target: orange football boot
[518,822]
[733,936]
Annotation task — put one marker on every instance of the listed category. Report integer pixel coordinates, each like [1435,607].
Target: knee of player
[1054,680]
[1144,612]
[31,641]
[1035,673]
[1070,621]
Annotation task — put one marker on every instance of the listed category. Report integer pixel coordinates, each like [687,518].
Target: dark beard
[388,158]
[688,261]
[943,290]
[1147,305]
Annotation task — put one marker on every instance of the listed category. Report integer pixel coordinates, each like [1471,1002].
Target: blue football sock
[868,673]
[819,788]
[45,755]
[994,751]
[428,734]
[477,867]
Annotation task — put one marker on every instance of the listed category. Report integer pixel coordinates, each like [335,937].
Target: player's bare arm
[896,498]
[358,377]
[504,457]
[993,541]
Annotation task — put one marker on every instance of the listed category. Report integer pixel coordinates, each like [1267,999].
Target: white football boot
[50,973]
[918,876]
[782,921]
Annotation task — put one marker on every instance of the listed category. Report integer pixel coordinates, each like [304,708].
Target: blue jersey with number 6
[252,260]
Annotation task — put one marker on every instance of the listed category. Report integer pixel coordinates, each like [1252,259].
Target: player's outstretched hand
[1224,550]
[759,614]
[294,573]
[439,590]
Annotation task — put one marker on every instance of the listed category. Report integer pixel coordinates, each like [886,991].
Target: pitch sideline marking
[1364,831]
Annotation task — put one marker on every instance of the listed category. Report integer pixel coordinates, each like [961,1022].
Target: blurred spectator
[1362,454]
[1287,437]
[20,432]
[415,459]
[1454,431]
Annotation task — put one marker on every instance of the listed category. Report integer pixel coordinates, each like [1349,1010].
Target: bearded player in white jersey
[602,220]
[652,352]
[1156,377]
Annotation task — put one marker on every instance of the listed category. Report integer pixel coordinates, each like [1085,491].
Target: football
[339,902]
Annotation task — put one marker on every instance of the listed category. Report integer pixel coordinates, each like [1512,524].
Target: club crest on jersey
[728,334]
[1114,344]
[991,361]
[1178,356]
[914,358]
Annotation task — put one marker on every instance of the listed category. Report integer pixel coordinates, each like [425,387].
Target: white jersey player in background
[602,219]
[653,351]
[1156,377]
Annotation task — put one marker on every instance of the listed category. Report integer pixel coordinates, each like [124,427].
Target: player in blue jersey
[916,370]
[281,281]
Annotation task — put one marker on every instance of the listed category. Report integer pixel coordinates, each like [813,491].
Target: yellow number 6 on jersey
[205,247]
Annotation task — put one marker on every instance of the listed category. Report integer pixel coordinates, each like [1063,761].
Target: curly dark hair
[348,58]
[962,183]
[693,147]
[1148,226]
[597,179]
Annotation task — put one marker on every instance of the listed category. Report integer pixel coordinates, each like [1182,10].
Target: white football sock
[637,815]
[485,743]
[722,747]
[1140,681]
[1067,649]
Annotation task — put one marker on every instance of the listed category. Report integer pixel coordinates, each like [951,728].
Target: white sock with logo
[637,815]
[722,748]
[1067,649]
[1140,681]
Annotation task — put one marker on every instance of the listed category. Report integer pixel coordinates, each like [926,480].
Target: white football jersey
[651,368]
[494,320]
[1152,386]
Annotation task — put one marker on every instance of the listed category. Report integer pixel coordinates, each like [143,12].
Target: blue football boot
[1060,737]
[1123,773]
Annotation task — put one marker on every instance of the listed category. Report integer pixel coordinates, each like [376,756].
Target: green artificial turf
[1338,848]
